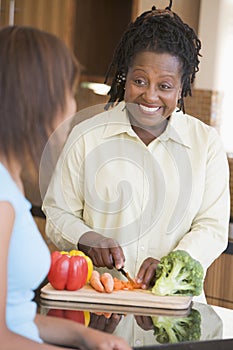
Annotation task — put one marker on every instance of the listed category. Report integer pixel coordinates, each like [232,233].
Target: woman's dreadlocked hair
[160,31]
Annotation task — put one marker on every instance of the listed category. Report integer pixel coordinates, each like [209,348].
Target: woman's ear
[179,93]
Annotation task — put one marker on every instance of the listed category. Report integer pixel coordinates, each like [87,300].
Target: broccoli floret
[170,329]
[178,273]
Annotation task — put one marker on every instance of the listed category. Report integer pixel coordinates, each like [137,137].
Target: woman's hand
[145,322]
[146,273]
[96,340]
[103,251]
[105,322]
[70,334]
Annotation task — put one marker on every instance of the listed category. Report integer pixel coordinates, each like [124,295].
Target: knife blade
[126,274]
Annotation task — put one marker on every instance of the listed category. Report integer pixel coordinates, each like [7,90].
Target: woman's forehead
[146,57]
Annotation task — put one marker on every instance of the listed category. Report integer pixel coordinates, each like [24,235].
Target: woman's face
[153,87]
[71,108]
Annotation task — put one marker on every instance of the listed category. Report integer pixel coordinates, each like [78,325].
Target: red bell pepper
[79,316]
[89,261]
[67,272]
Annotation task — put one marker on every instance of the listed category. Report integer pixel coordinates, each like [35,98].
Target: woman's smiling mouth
[147,109]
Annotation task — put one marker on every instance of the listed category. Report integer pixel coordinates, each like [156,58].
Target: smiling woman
[143,178]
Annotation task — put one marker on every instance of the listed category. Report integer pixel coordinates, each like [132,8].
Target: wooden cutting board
[135,298]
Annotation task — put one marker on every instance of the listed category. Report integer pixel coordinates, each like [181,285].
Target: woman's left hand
[146,273]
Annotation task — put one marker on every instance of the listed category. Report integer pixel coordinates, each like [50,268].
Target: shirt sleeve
[63,202]
[208,235]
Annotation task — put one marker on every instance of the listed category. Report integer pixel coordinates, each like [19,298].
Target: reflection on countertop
[200,323]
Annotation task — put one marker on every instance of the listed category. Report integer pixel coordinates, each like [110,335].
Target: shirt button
[142,248]
[138,342]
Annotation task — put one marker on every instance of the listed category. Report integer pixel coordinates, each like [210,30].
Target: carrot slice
[107,280]
[105,314]
[107,283]
[95,281]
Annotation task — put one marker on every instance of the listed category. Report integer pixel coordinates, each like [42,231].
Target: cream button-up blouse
[171,194]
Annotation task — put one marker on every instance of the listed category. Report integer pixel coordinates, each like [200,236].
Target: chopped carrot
[105,314]
[123,285]
[118,284]
[106,283]
[137,285]
[107,280]
[95,281]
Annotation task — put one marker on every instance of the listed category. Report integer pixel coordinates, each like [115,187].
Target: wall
[216,33]
[216,67]
[188,10]
[215,18]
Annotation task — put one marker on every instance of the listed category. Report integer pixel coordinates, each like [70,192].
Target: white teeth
[149,109]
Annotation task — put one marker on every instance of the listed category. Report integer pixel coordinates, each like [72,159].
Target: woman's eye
[140,82]
[165,86]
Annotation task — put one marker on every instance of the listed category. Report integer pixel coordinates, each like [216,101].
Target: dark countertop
[226,344]
[213,325]
[229,249]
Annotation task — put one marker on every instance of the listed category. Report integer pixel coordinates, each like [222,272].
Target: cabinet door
[6,12]
[54,16]
[219,282]
[99,26]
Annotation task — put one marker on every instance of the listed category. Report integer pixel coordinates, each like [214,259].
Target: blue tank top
[28,261]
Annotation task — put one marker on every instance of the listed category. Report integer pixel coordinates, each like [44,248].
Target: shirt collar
[118,121]
[177,128]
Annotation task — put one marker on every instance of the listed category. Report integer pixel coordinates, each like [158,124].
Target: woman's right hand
[96,340]
[103,251]
[105,322]
[145,322]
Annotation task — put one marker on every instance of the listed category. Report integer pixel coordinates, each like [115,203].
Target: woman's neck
[147,135]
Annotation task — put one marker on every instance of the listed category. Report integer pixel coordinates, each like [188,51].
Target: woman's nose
[151,94]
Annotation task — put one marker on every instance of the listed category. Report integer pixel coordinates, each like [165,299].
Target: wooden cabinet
[92,28]
[98,28]
[6,12]
[54,16]
[219,282]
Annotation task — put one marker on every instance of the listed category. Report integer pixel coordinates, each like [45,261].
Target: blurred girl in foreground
[38,76]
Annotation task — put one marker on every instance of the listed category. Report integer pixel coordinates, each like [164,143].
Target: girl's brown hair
[37,71]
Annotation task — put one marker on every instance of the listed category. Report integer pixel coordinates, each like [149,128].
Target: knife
[126,274]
